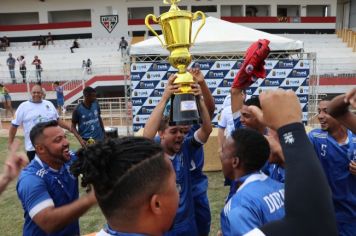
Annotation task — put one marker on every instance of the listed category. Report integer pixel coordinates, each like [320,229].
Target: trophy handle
[195,16]
[147,23]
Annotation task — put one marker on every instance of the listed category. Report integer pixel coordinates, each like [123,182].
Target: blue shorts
[7,97]
[201,204]
[60,102]
[202,213]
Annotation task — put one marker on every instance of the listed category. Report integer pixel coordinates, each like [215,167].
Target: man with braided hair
[47,190]
[134,184]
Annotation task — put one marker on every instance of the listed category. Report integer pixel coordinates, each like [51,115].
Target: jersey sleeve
[98,107]
[242,219]
[313,140]
[75,115]
[18,120]
[54,110]
[311,137]
[191,146]
[223,121]
[32,191]
[237,120]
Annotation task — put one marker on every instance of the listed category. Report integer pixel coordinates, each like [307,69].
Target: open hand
[14,162]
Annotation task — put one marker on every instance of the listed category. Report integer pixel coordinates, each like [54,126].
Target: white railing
[70,85]
[51,75]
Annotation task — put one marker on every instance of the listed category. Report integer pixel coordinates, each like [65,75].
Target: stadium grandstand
[326,28]
[79,44]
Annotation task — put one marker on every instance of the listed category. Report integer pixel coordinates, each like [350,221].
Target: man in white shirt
[30,113]
[225,125]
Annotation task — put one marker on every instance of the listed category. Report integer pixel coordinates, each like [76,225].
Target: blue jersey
[184,221]
[257,201]
[60,95]
[199,179]
[199,186]
[88,120]
[335,159]
[59,92]
[40,187]
[274,171]
[237,120]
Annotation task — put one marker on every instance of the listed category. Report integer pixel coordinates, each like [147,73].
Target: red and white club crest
[109,22]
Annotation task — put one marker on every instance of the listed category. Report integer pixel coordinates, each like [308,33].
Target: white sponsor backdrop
[149,79]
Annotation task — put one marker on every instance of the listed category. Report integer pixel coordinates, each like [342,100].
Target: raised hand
[279,108]
[197,74]
[170,88]
[350,97]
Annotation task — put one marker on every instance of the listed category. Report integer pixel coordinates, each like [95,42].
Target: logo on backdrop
[109,22]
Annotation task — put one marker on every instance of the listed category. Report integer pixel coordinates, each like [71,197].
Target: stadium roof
[220,37]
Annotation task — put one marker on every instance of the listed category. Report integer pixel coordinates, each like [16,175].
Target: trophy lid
[174,11]
[174,6]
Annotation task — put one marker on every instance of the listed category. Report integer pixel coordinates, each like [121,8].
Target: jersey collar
[45,166]
[249,178]
[110,231]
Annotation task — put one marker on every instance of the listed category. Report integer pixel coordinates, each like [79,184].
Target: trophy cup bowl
[176,28]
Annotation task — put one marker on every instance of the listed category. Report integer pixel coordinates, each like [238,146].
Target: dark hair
[253,101]
[56,83]
[125,172]
[164,123]
[38,129]
[251,148]
[88,90]
[325,99]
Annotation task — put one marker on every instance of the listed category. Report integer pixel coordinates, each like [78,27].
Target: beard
[59,156]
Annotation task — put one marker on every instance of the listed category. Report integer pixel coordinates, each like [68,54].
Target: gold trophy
[176,27]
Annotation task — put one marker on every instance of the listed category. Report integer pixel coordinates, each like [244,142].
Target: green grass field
[11,212]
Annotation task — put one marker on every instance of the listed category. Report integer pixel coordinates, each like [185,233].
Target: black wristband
[297,126]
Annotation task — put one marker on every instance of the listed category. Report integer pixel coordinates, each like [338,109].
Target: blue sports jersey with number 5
[335,159]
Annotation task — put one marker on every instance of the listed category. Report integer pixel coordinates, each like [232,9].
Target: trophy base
[184,110]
